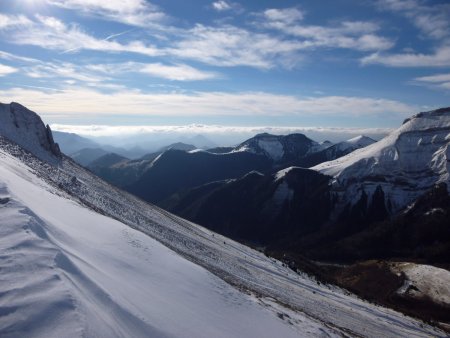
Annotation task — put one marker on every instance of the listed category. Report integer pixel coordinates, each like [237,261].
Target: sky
[310,64]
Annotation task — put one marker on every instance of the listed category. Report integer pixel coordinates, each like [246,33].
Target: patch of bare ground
[377,282]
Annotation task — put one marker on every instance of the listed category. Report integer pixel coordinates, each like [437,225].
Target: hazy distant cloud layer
[85,101]
[103,130]
[222,135]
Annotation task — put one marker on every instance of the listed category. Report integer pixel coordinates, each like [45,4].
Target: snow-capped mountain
[281,148]
[405,164]
[82,258]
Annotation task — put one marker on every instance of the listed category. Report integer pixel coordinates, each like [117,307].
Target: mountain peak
[25,127]
[445,111]
[279,147]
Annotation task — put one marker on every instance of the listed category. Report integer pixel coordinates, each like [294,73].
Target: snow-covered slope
[404,164]
[67,269]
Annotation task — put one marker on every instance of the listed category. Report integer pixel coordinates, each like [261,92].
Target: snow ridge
[405,164]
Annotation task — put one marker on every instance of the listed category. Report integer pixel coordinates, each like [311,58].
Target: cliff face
[26,128]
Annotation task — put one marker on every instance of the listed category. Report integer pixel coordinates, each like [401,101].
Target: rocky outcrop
[25,127]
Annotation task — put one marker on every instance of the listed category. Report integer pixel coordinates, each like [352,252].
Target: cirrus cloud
[139,13]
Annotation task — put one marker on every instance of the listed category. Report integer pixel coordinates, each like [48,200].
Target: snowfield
[69,271]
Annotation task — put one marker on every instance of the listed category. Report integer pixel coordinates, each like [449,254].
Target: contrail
[118,34]
[109,37]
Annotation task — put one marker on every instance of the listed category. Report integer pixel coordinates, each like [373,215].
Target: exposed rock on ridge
[26,128]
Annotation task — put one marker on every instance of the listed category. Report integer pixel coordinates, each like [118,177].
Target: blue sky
[336,63]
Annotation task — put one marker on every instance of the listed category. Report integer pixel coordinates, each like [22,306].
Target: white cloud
[221,5]
[223,45]
[357,35]
[76,101]
[219,46]
[232,46]
[52,33]
[96,73]
[9,21]
[435,78]
[287,15]
[5,70]
[177,72]
[64,70]
[139,13]
[440,58]
[439,81]
[433,20]
[12,57]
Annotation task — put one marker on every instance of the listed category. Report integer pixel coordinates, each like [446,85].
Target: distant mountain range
[173,171]
[84,150]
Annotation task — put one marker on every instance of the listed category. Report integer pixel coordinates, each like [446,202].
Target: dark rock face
[54,147]
[420,232]
[259,208]
[176,170]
